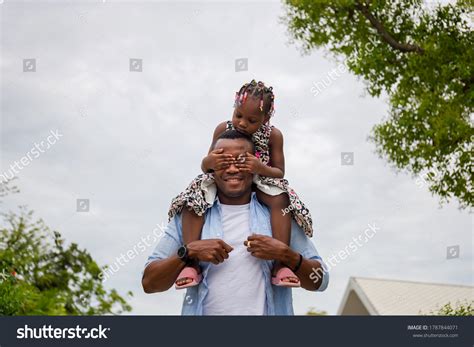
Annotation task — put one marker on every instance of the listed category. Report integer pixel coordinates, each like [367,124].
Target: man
[235,252]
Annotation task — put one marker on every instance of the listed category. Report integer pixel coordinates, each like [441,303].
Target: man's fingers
[253,245]
[222,254]
[253,237]
[212,257]
[219,257]
[217,151]
[226,247]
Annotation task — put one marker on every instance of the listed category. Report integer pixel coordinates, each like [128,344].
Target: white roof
[393,297]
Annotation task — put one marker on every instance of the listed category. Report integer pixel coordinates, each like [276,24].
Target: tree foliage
[423,59]
[41,275]
[314,312]
[460,309]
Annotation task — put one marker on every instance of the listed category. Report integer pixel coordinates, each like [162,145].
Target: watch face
[181,251]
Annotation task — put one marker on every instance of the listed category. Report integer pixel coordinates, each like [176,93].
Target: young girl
[253,108]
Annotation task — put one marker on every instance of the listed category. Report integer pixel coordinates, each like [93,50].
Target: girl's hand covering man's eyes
[218,160]
[251,164]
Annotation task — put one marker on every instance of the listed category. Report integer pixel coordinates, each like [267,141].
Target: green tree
[41,275]
[423,59]
[461,309]
[313,312]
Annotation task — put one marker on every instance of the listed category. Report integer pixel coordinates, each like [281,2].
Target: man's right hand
[213,250]
[216,160]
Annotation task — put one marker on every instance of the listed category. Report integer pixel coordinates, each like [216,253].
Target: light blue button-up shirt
[278,300]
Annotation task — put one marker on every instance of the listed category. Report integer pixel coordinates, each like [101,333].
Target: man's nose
[242,124]
[232,168]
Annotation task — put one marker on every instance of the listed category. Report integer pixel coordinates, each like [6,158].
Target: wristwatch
[183,254]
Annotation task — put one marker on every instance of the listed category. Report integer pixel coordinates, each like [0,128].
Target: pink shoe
[188,272]
[285,272]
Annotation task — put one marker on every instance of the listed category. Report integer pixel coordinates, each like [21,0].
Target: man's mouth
[233,178]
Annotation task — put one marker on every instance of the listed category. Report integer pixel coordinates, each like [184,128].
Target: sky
[129,141]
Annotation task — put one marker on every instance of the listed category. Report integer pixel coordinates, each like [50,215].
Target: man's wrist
[191,254]
[183,254]
[290,258]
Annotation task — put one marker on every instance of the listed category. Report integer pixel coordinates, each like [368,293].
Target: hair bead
[260,91]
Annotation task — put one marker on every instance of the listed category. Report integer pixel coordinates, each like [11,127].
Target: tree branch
[386,36]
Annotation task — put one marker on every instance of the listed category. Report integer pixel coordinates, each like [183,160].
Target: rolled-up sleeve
[303,245]
[169,243]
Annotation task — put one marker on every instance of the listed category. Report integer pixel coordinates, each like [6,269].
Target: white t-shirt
[236,286]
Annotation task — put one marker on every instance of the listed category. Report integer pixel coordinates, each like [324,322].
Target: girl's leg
[192,228]
[281,222]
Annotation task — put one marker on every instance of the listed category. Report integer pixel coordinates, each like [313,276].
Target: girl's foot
[284,277]
[190,276]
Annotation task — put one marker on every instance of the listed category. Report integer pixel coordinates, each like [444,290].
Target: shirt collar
[253,197]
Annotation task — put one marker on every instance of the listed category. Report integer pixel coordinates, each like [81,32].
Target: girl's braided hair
[257,90]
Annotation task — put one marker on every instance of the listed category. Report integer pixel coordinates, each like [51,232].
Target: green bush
[40,275]
[461,309]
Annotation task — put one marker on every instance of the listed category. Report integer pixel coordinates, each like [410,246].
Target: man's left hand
[266,247]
